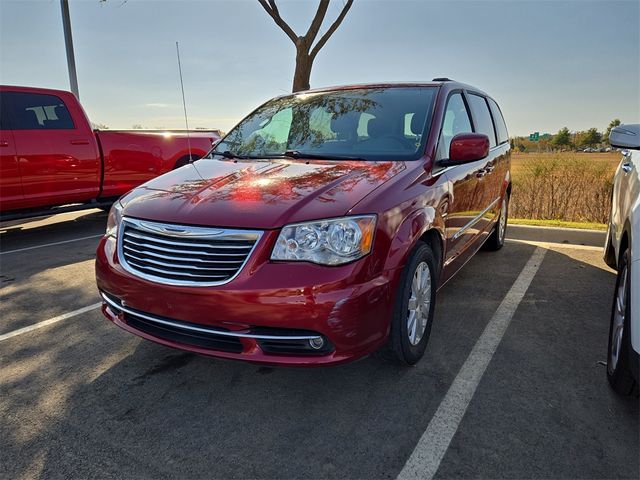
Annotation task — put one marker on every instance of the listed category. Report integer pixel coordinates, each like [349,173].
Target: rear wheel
[414,308]
[496,239]
[618,361]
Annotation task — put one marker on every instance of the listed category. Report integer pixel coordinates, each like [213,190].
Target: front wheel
[414,307]
[618,361]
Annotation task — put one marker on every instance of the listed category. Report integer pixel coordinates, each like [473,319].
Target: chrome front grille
[183,255]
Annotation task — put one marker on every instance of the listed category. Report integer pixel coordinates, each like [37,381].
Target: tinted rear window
[498,120]
[34,111]
[482,117]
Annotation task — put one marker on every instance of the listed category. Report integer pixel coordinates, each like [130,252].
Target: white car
[622,252]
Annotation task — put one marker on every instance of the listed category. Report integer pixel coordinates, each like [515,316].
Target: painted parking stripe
[51,244]
[51,321]
[432,446]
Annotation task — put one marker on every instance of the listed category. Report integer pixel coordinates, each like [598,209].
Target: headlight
[327,242]
[113,222]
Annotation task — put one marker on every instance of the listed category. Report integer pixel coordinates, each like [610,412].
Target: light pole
[68,43]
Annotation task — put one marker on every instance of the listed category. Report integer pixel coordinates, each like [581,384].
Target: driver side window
[456,120]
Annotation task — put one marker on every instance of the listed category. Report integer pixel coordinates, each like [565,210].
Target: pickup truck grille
[183,255]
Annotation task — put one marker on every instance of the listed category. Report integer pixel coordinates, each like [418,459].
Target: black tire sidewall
[621,379]
[405,352]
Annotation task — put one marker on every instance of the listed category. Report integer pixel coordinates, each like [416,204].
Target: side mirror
[625,136]
[468,147]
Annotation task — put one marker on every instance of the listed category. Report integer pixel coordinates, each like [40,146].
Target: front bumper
[296,301]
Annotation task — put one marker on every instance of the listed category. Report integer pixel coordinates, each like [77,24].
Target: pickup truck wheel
[496,238]
[414,307]
[181,162]
[618,361]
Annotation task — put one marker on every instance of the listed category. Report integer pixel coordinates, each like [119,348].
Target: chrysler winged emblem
[179,230]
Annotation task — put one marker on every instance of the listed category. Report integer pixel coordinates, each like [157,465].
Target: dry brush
[566,186]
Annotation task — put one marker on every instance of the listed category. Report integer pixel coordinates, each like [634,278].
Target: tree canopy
[562,138]
[591,137]
[612,124]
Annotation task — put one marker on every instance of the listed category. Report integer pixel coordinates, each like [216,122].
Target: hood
[259,194]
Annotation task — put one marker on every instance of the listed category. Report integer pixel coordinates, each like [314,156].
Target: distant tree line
[564,139]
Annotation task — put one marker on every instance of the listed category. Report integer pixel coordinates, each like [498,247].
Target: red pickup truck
[50,156]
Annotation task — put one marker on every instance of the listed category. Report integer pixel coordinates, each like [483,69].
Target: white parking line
[432,446]
[44,323]
[50,244]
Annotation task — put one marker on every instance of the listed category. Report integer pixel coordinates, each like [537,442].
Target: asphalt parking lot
[81,398]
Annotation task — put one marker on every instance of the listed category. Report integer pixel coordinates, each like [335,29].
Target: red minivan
[318,230]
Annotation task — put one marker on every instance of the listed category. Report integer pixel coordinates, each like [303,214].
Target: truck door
[57,154]
[10,186]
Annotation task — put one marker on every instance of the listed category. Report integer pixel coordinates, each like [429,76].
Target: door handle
[627,167]
[80,141]
[4,143]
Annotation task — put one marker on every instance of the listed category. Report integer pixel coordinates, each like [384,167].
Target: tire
[181,162]
[406,345]
[496,239]
[105,208]
[618,352]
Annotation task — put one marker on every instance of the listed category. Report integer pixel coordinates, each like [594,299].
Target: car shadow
[54,228]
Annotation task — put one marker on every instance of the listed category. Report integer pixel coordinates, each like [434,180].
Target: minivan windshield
[389,123]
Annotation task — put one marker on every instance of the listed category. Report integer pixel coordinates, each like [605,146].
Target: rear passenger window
[482,117]
[498,120]
[456,120]
[34,111]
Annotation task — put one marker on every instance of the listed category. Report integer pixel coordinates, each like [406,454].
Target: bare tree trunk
[302,75]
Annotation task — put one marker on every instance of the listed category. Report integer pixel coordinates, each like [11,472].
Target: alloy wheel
[419,304]
[617,319]
[502,225]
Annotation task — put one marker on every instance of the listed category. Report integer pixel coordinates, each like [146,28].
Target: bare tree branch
[332,29]
[273,12]
[314,28]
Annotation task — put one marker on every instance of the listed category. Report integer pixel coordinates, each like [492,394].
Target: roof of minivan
[450,84]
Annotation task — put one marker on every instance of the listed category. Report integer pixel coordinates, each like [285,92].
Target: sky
[549,64]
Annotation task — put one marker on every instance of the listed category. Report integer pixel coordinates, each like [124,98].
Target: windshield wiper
[319,156]
[287,154]
[229,154]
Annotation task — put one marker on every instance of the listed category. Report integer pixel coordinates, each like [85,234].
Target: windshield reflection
[373,124]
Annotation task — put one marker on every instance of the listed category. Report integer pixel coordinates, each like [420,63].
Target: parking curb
[570,236]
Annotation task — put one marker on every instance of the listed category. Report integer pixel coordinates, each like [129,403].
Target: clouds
[158,105]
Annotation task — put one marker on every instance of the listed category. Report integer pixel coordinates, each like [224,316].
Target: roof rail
[442,79]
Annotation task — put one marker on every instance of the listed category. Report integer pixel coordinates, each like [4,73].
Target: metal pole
[184,103]
[68,43]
